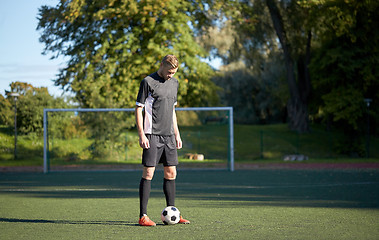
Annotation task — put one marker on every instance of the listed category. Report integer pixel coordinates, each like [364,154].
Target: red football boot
[183,221]
[145,221]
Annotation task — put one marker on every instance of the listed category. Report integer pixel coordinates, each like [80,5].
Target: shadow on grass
[17,220]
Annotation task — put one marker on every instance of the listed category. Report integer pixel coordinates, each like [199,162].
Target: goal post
[227,120]
[230,129]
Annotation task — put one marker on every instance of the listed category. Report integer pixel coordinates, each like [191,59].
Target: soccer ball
[170,215]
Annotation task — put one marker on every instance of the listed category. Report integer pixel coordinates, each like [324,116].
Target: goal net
[107,139]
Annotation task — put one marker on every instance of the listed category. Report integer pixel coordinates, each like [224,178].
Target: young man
[158,132]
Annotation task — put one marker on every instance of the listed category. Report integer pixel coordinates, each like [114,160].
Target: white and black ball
[170,215]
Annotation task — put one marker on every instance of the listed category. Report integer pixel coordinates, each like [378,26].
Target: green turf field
[245,204]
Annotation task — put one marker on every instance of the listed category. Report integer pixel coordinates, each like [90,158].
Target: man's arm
[176,130]
[143,141]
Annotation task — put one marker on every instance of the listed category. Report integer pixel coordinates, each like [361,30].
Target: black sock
[169,191]
[144,194]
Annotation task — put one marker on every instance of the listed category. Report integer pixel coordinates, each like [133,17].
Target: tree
[30,105]
[255,98]
[295,59]
[251,78]
[345,67]
[6,113]
[261,29]
[112,44]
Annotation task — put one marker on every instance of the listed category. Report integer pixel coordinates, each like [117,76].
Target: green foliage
[6,114]
[346,104]
[256,97]
[344,67]
[252,79]
[30,105]
[343,42]
[209,139]
[67,126]
[70,151]
[111,45]
[251,36]
[106,131]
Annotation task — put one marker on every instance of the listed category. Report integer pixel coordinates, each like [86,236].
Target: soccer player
[158,132]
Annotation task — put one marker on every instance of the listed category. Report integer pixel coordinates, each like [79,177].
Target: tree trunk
[303,72]
[297,106]
[299,121]
[297,115]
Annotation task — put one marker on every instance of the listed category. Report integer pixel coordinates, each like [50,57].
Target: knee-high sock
[169,191]
[144,194]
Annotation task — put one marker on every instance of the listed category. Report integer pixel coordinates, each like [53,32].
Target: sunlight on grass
[272,155]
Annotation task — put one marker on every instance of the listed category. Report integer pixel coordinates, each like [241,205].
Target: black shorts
[162,150]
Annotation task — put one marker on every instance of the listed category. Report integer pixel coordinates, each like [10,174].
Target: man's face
[168,72]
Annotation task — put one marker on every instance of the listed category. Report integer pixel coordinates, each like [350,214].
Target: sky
[21,57]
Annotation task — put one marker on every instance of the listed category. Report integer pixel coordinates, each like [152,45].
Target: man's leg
[169,188]
[144,190]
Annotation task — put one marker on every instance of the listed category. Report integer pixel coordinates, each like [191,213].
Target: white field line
[315,185]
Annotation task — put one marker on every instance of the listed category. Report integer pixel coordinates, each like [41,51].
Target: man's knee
[170,173]
[148,173]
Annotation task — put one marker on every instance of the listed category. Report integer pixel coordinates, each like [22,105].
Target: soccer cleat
[183,221]
[145,221]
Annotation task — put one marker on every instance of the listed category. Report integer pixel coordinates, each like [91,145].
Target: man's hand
[178,142]
[144,142]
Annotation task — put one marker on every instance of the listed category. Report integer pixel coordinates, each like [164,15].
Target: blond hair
[171,60]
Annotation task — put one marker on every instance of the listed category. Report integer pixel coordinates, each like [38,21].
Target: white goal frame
[46,162]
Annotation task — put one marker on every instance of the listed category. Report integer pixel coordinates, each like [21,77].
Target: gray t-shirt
[158,97]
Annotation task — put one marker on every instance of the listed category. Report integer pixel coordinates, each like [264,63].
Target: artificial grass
[255,204]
